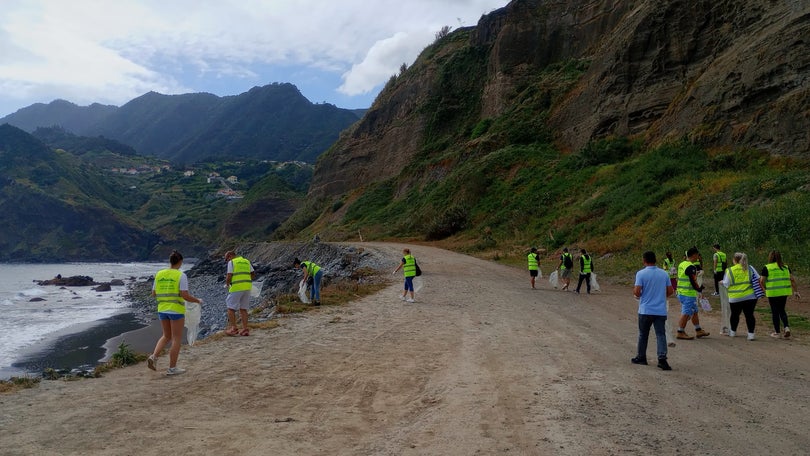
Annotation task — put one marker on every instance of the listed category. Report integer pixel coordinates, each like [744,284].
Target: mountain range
[273,122]
[611,126]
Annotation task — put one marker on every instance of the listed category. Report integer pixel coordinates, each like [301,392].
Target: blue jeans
[644,323]
[316,286]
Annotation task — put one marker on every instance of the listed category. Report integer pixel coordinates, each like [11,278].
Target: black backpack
[567,261]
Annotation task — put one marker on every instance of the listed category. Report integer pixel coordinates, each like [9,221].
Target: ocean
[62,327]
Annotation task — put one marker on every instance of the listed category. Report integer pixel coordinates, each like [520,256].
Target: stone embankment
[273,262]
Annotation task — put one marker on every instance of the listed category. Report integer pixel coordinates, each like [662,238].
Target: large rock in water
[72,281]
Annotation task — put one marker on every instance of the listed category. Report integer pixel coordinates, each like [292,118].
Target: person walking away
[585,269]
[719,260]
[311,270]
[565,267]
[778,283]
[739,280]
[239,280]
[408,266]
[534,265]
[171,290]
[652,288]
[688,294]
[672,269]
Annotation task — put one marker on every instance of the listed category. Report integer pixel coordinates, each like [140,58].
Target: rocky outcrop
[723,73]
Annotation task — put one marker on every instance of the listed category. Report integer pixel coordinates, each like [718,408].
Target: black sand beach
[83,347]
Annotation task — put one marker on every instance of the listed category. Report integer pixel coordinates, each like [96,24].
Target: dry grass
[15,384]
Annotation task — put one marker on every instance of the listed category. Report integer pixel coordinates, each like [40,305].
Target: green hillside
[496,186]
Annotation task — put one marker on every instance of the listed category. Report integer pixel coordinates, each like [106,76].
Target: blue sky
[336,51]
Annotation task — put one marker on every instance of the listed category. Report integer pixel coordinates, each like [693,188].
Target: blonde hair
[741,259]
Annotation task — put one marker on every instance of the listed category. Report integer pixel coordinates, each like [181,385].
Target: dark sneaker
[151,362]
[638,360]
[664,365]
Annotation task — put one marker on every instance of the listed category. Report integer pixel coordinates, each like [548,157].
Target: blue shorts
[170,316]
[688,304]
[408,283]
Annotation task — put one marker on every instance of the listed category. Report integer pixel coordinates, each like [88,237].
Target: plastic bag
[192,321]
[594,283]
[552,279]
[302,292]
[256,289]
[539,273]
[705,304]
[418,284]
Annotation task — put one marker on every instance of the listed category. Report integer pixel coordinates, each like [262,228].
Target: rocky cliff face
[721,72]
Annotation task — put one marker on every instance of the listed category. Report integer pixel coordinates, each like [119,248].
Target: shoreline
[82,346]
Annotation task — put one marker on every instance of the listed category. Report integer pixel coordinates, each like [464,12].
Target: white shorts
[238,300]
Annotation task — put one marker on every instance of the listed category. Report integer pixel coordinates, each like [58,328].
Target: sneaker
[787,332]
[671,344]
[151,362]
[724,331]
[638,360]
[175,371]
[775,335]
[402,298]
[664,365]
[701,333]
[751,336]
[715,294]
[409,300]
[683,335]
[732,333]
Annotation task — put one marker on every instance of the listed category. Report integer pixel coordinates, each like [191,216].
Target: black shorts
[533,273]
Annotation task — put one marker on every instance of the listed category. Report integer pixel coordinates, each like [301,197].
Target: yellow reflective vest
[167,291]
[240,277]
[740,286]
[409,269]
[684,284]
[533,262]
[778,281]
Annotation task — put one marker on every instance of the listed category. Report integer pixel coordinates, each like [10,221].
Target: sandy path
[481,364]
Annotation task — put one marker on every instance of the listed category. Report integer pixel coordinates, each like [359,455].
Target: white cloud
[97,50]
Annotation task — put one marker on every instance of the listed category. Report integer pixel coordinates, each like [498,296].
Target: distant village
[213,177]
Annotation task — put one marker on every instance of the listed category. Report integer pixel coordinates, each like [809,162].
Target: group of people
[170,289]
[566,267]
[741,281]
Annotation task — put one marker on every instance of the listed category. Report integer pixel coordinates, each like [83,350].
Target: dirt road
[479,365]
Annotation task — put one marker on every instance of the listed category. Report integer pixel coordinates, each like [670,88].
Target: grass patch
[18,383]
[123,357]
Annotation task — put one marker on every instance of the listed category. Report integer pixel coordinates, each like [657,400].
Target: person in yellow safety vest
[408,266]
[778,283]
[316,273]
[239,280]
[688,294]
[565,267]
[585,269]
[719,259]
[672,270]
[171,290]
[534,265]
[739,280]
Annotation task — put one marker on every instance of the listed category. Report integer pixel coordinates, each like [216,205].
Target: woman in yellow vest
[311,270]
[534,265]
[171,290]
[739,280]
[408,266]
[778,283]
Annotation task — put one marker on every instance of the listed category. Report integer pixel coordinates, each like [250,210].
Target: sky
[100,51]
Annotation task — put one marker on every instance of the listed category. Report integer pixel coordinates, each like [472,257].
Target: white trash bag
[256,289]
[594,283]
[302,292]
[418,284]
[552,279]
[192,321]
[705,304]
